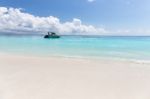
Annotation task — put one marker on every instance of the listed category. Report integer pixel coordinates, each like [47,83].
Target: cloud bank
[16,21]
[91,1]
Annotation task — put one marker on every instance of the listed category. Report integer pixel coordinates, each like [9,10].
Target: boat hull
[51,37]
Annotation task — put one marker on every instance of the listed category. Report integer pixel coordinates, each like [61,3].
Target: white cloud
[14,20]
[91,0]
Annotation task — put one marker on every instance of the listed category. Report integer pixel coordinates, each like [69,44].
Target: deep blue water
[79,46]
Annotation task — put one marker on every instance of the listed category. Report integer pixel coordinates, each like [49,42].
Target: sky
[104,17]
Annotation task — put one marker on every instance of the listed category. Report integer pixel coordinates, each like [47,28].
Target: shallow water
[137,48]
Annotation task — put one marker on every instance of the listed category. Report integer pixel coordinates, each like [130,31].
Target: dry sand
[27,77]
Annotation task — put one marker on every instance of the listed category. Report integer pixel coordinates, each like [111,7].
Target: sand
[29,77]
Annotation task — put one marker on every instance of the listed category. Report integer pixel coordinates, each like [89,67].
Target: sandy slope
[63,78]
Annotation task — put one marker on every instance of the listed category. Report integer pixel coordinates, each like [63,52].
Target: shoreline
[83,58]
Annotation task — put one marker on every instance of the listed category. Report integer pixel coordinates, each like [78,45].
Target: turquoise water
[79,46]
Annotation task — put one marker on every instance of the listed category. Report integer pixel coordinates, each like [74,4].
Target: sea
[92,47]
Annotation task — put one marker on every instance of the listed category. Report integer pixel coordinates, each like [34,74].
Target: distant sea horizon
[69,34]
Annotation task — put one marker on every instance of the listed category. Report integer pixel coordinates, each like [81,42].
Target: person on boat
[48,33]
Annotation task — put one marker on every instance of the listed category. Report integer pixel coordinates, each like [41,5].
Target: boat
[51,35]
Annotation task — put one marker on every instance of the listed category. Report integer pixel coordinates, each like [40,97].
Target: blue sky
[112,14]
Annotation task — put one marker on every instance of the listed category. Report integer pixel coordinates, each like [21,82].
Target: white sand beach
[28,77]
